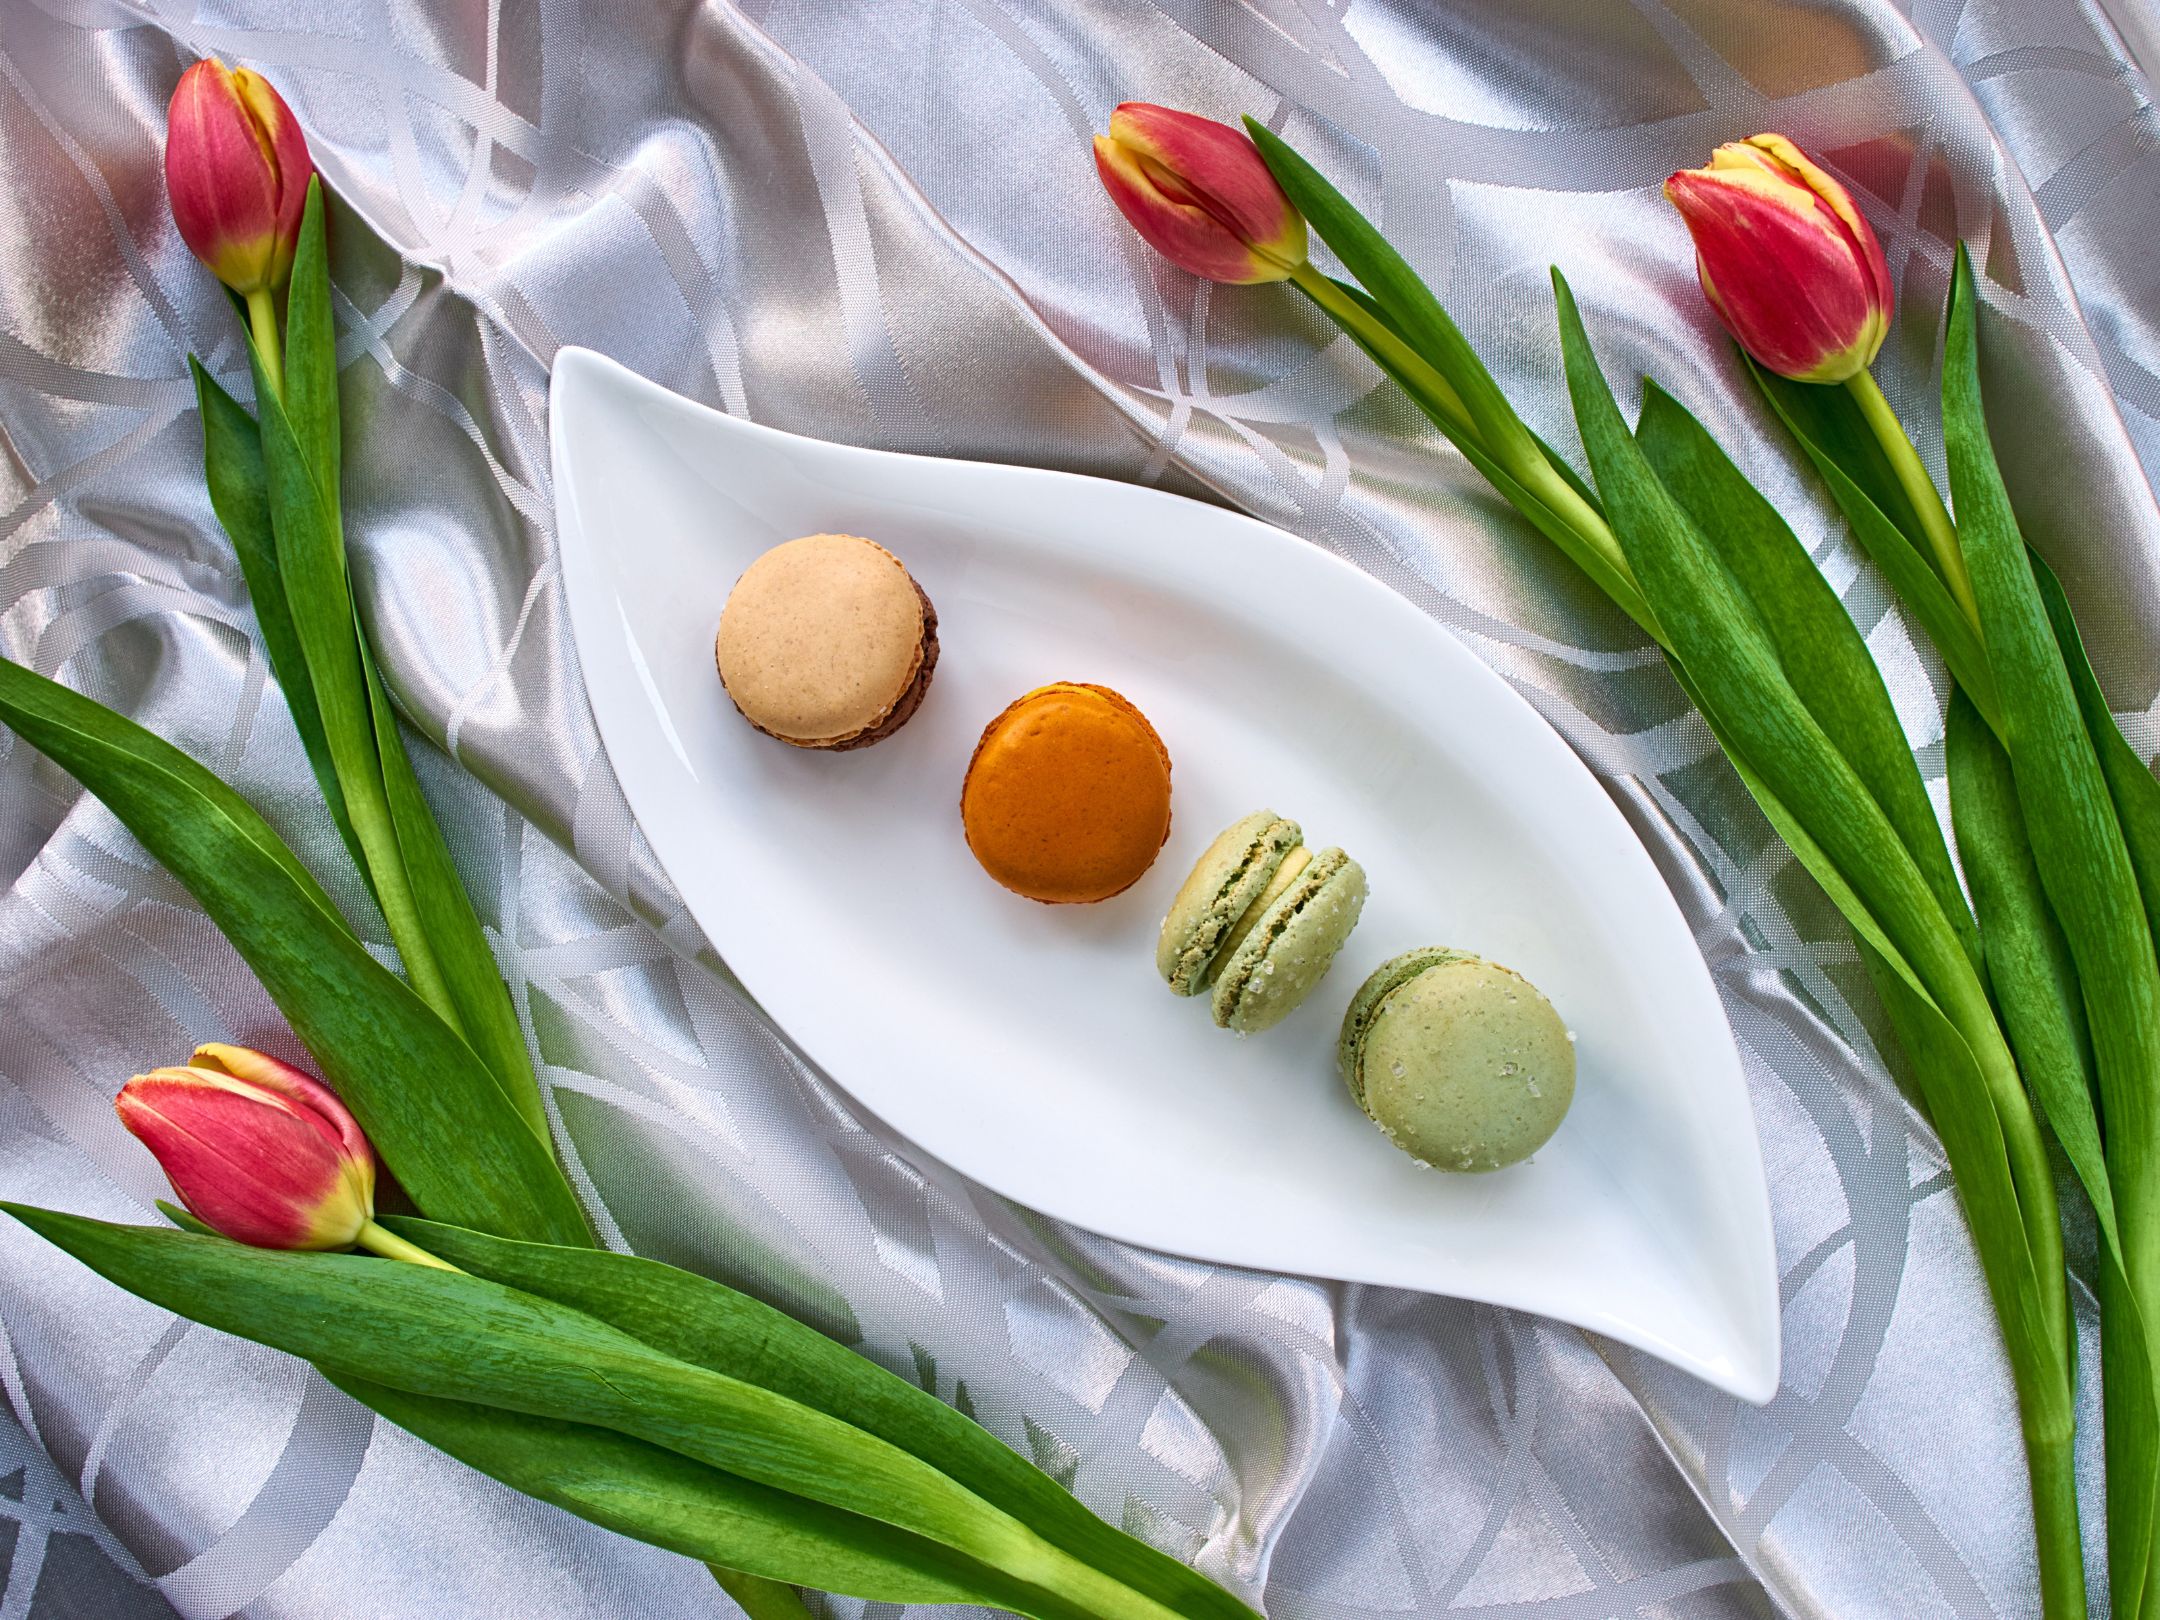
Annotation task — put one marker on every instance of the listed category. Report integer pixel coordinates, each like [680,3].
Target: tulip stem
[262,319]
[381,1240]
[1353,317]
[1919,488]
[1567,518]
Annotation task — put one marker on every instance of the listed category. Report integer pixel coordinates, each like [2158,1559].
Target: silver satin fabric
[876,221]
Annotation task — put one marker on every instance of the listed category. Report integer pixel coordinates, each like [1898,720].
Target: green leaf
[1371,305]
[2077,844]
[2130,782]
[311,560]
[470,977]
[450,1336]
[1733,666]
[433,1110]
[1412,310]
[311,374]
[1835,437]
[1733,672]
[232,466]
[1815,642]
[1954,1095]
[2036,985]
[665,1499]
[710,1325]
[2029,964]
[1828,422]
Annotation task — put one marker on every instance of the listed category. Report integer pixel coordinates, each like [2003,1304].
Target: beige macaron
[827,642]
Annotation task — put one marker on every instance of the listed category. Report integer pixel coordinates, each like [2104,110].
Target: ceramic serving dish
[1032,1047]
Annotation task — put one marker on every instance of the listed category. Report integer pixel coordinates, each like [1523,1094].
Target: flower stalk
[380,1240]
[1919,489]
[263,327]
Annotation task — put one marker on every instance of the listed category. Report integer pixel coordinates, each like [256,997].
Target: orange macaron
[1067,798]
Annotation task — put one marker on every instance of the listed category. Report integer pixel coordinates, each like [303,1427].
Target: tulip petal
[1200,194]
[1782,269]
[1183,232]
[290,161]
[236,169]
[315,1099]
[253,1160]
[1220,171]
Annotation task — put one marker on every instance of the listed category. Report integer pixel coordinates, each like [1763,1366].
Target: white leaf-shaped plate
[1032,1047]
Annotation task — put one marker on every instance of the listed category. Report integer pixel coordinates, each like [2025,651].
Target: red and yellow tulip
[1200,195]
[256,1149]
[1787,261]
[237,170]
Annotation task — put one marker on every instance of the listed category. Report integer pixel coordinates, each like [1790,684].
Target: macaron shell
[1067,797]
[1396,970]
[1467,1066]
[1291,946]
[1223,884]
[823,639]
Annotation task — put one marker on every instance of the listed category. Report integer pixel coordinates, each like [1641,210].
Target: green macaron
[1259,919]
[1226,880]
[1287,939]
[1462,1062]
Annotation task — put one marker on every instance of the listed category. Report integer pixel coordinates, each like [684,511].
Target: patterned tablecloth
[875,220]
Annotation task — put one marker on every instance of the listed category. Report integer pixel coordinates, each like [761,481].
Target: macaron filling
[1291,942]
[1222,897]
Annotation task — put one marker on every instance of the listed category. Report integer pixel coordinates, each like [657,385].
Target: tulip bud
[1787,261]
[237,170]
[1200,194]
[257,1150]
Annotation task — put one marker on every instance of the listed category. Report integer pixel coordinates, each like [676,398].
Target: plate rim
[1758,1344]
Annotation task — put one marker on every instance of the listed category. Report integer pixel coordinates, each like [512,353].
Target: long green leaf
[666,1499]
[708,1324]
[1829,430]
[2130,781]
[2029,963]
[431,1107]
[470,976]
[1733,668]
[311,373]
[1951,1086]
[431,916]
[1829,422]
[1954,1095]
[1559,463]
[1815,641]
[311,561]
[451,1336]
[2078,846]
[1410,305]
[2036,984]
[232,467]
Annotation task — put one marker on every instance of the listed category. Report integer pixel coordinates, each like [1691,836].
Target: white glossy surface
[1032,1047]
